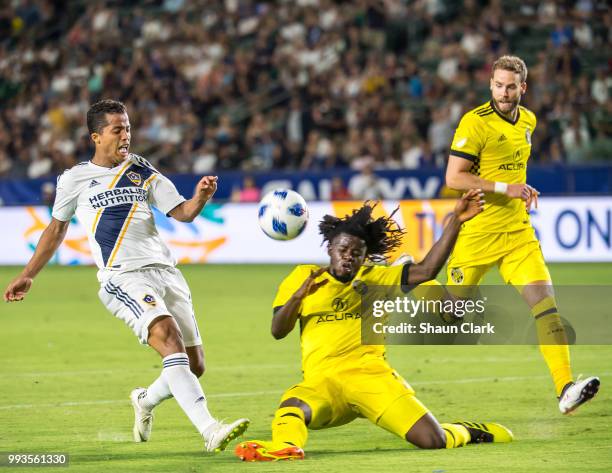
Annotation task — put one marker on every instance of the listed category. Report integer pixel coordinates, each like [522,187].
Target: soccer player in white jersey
[112,196]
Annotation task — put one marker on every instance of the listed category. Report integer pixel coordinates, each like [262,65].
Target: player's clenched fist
[17,289]
[206,187]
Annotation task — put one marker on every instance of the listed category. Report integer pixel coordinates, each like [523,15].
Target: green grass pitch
[68,367]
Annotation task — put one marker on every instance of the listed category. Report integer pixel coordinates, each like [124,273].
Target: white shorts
[138,297]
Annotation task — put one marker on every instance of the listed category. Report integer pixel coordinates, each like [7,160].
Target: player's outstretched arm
[190,209]
[468,206]
[285,316]
[50,240]
[459,177]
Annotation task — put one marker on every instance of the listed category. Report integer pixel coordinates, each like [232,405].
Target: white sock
[187,391]
[156,393]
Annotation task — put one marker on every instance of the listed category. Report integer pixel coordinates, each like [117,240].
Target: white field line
[42,374]
[226,368]
[262,393]
[125,401]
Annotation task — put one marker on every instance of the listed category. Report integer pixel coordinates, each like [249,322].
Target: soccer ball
[283,214]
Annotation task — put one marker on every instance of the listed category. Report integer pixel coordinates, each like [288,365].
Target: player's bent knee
[296,402]
[165,336]
[427,433]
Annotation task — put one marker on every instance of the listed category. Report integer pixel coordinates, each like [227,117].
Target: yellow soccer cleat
[487,432]
[260,451]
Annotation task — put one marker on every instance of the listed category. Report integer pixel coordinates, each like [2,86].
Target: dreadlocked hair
[381,236]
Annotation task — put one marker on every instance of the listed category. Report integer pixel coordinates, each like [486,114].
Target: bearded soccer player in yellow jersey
[344,379]
[489,151]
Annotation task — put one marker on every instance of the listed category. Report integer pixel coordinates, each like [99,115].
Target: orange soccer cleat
[259,451]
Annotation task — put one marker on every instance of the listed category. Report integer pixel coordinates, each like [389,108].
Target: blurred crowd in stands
[214,85]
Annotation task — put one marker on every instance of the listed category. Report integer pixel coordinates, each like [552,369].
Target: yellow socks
[456,435]
[289,427]
[553,342]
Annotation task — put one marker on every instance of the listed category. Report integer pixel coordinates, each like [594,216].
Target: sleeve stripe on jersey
[122,296]
[461,154]
[482,108]
[122,234]
[483,112]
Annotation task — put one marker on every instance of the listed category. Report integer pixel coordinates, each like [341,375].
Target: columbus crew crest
[528,135]
[457,275]
[360,287]
[134,177]
[339,304]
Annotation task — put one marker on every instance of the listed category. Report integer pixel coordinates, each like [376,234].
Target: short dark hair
[381,236]
[96,115]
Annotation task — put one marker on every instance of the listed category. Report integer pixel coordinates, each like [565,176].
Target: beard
[507,106]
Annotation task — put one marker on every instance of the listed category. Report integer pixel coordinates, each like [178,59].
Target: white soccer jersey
[114,205]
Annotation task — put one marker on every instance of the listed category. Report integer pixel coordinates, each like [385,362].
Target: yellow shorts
[365,389]
[517,254]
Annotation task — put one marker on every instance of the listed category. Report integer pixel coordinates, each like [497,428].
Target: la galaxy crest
[134,177]
[149,299]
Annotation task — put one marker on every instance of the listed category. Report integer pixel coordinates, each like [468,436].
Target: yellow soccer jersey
[330,319]
[499,150]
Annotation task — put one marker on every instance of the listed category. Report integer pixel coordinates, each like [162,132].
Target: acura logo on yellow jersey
[338,317]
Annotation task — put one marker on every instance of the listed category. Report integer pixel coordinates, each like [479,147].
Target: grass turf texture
[68,367]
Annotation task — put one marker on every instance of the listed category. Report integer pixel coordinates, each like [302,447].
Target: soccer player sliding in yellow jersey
[489,151]
[344,379]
